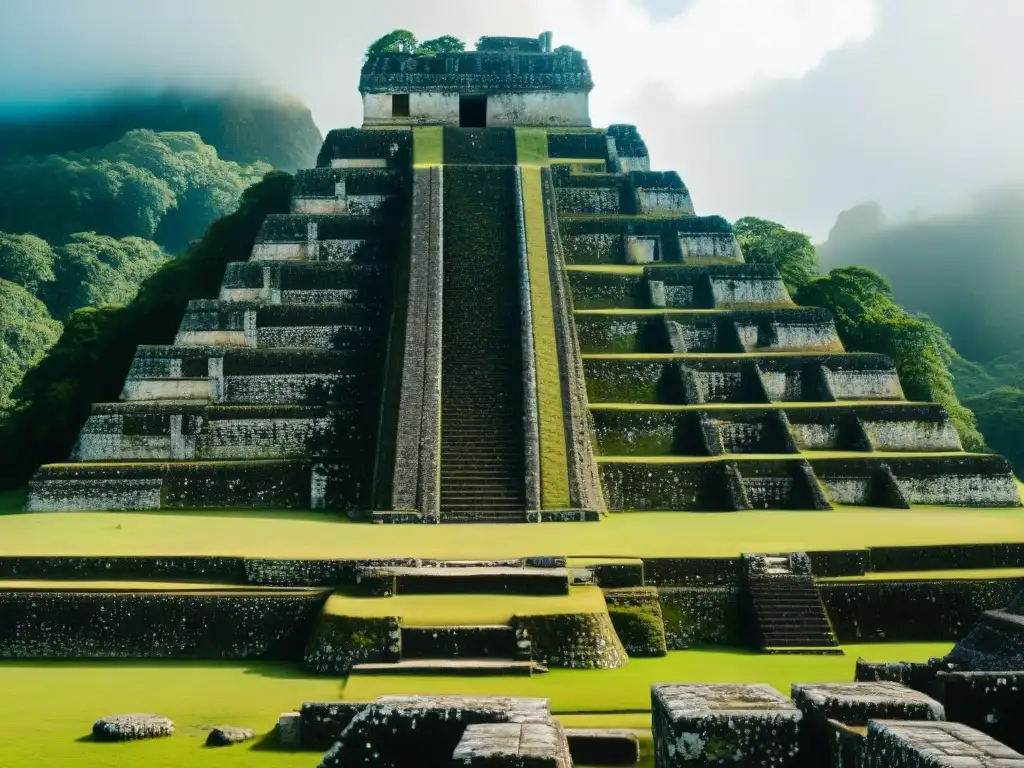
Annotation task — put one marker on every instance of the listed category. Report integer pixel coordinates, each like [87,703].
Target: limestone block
[324,721]
[359,162]
[226,735]
[401,731]
[854,704]
[69,495]
[745,291]
[707,724]
[865,384]
[131,727]
[144,389]
[924,436]
[710,246]
[539,745]
[664,201]
[936,745]
[642,250]
[279,252]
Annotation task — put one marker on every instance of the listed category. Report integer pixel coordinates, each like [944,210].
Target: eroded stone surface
[407,731]
[856,703]
[936,745]
[698,725]
[131,727]
[513,744]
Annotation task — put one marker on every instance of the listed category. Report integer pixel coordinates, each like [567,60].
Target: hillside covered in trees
[97,197]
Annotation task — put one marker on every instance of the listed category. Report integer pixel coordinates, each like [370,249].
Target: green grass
[635,534]
[709,355]
[48,709]
[611,269]
[776,456]
[427,146]
[532,146]
[554,464]
[441,610]
[966,573]
[777,405]
[628,689]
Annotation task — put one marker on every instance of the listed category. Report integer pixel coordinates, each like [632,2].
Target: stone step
[473,667]
[444,580]
[469,518]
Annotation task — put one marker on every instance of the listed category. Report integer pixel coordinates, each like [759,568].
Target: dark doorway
[473,111]
[400,105]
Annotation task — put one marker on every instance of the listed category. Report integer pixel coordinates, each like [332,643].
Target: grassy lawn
[674,459]
[427,146]
[629,688]
[554,467]
[439,610]
[966,573]
[636,534]
[778,405]
[48,707]
[532,146]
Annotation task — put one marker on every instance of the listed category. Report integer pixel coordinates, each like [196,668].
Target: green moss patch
[427,146]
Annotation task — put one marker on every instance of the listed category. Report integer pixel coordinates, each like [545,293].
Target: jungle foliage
[91,360]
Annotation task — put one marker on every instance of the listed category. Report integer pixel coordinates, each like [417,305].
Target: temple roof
[508,68]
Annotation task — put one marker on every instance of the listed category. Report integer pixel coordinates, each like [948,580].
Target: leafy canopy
[404,41]
[26,260]
[767,242]
[91,360]
[26,332]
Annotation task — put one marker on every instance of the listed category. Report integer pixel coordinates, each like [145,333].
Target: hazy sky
[789,109]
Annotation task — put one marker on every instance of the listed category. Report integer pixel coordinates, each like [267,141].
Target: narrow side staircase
[482,443]
[788,611]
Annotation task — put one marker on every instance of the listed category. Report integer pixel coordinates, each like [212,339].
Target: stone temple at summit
[480,308]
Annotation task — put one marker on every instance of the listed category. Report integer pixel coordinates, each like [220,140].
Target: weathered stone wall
[337,643]
[76,625]
[417,442]
[911,611]
[696,616]
[573,641]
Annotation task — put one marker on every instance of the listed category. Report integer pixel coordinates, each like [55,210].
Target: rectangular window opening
[473,111]
[400,105]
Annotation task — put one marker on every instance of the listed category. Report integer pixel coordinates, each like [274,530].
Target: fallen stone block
[538,745]
[831,710]
[599,746]
[226,735]
[131,727]
[917,744]
[699,725]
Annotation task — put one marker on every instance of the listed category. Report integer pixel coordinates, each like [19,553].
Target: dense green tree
[92,358]
[26,332]
[869,320]
[1000,415]
[443,44]
[124,189]
[95,269]
[767,242]
[26,260]
[398,41]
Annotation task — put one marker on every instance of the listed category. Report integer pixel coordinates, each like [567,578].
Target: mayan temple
[483,309]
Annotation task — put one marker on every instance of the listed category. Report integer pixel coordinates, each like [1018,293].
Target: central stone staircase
[482,449]
[788,611]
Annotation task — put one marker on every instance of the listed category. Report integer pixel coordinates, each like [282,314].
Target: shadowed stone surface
[599,746]
[936,745]
[131,727]
[702,725]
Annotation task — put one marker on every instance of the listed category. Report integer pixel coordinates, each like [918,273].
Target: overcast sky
[788,109]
